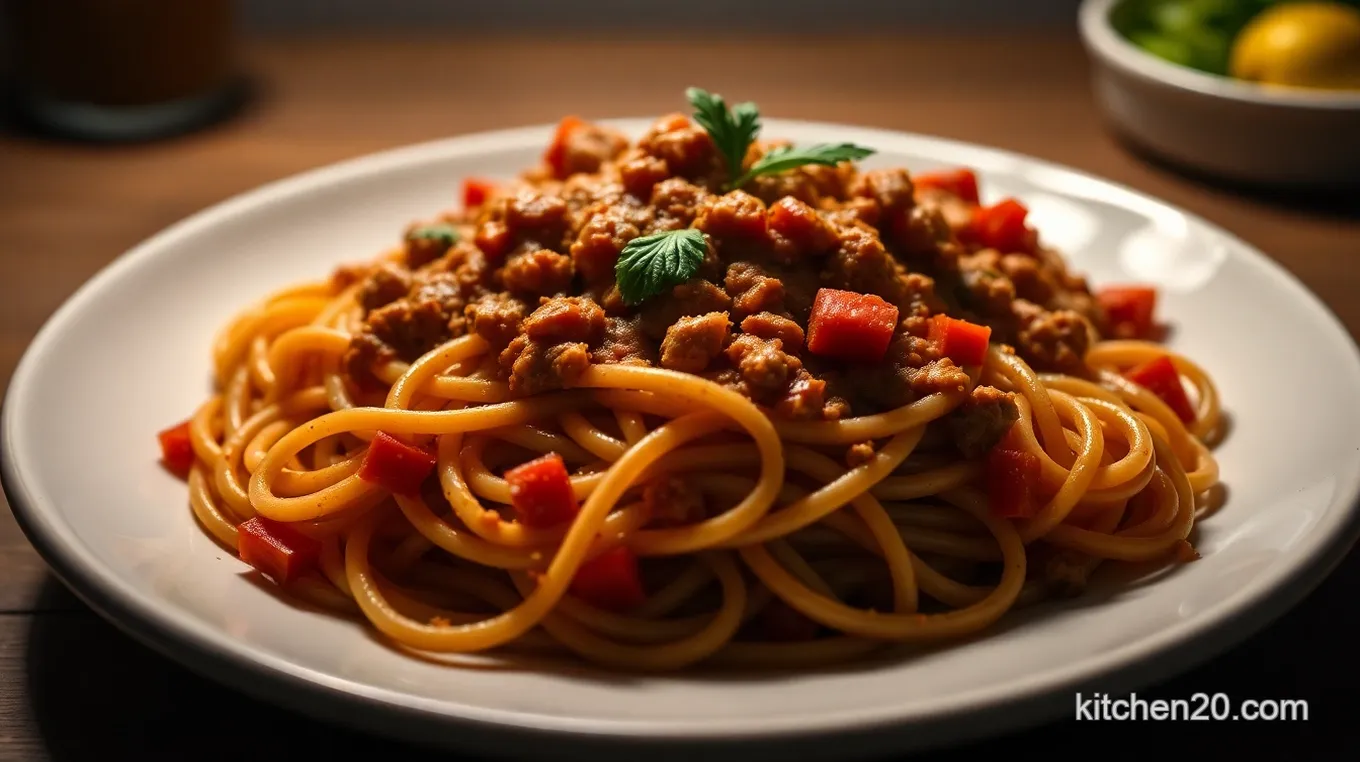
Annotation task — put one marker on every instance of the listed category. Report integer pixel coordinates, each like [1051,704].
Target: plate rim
[1029,699]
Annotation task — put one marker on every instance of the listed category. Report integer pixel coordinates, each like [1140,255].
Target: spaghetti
[473,444]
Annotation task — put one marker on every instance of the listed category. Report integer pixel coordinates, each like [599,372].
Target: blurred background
[127,70]
[809,15]
[783,15]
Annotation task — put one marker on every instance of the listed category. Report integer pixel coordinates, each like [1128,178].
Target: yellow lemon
[1302,44]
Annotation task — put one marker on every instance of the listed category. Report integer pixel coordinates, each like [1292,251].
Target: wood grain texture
[72,688]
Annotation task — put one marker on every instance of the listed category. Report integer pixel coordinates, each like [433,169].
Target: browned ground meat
[693,341]
[859,454]
[764,368]
[796,231]
[423,248]
[684,146]
[570,318]
[672,501]
[753,289]
[678,200]
[624,343]
[537,367]
[496,318]
[737,215]
[429,315]
[365,353]
[890,188]
[603,236]
[768,325]
[539,214]
[694,297]
[1052,341]
[537,273]
[532,271]
[982,420]
[388,283]
[589,146]
[640,175]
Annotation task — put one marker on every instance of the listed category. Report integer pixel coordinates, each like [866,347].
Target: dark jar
[122,69]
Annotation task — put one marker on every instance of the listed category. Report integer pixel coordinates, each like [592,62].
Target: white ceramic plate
[128,355]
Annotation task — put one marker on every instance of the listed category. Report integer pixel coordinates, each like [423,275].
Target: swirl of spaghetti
[477,445]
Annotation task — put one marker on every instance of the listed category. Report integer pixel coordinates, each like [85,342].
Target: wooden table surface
[72,687]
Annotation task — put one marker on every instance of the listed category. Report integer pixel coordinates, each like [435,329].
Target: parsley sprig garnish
[444,233]
[733,131]
[790,157]
[651,264]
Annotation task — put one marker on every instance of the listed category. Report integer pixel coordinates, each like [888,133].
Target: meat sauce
[531,271]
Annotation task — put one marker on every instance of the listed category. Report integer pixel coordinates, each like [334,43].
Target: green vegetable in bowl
[1194,33]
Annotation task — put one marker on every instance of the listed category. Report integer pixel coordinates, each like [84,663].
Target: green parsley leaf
[651,264]
[443,233]
[791,157]
[732,131]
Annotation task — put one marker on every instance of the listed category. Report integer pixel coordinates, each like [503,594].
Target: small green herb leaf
[790,157]
[650,264]
[444,234]
[732,131]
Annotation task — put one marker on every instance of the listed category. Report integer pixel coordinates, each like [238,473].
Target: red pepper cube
[959,182]
[961,341]
[395,466]
[1002,227]
[476,192]
[276,550]
[1012,477]
[850,326]
[1128,309]
[610,581]
[540,491]
[177,449]
[1160,377]
[556,154]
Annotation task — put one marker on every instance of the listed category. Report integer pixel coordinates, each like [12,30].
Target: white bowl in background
[1229,128]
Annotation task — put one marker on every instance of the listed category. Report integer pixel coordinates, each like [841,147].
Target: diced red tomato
[1012,479]
[1001,227]
[961,341]
[961,182]
[276,550]
[779,621]
[177,450]
[1129,309]
[556,155]
[476,192]
[850,326]
[541,492]
[395,466]
[611,580]
[1160,377]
